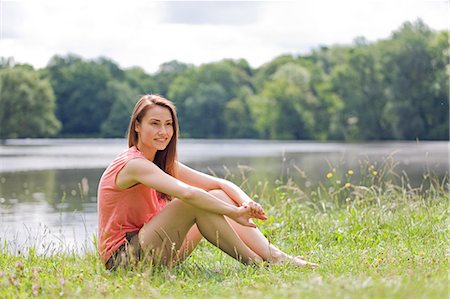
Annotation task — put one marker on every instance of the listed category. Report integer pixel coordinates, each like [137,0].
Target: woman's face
[155,130]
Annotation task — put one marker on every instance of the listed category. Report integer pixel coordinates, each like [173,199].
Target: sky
[149,33]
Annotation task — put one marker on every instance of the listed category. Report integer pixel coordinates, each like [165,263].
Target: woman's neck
[148,153]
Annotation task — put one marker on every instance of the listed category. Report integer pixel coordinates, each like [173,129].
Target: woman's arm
[207,182]
[147,173]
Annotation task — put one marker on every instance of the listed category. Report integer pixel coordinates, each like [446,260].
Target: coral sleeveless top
[122,211]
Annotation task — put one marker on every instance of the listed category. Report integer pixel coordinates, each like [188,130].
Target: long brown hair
[165,159]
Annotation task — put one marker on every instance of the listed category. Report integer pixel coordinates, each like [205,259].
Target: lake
[48,186]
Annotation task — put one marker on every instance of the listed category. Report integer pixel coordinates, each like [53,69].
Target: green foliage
[359,83]
[27,104]
[268,69]
[417,102]
[284,108]
[238,116]
[140,81]
[201,95]
[395,88]
[116,124]
[81,89]
[166,74]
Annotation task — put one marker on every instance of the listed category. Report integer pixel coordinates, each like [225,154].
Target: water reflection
[59,189]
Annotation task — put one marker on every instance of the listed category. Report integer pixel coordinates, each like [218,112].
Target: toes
[304,264]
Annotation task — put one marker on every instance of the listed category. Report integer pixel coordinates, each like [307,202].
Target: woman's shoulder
[130,153]
[124,157]
[121,160]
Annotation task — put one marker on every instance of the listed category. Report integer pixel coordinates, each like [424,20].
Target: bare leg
[257,242]
[165,233]
[191,241]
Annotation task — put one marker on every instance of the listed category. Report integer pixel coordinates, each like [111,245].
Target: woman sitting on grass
[152,208]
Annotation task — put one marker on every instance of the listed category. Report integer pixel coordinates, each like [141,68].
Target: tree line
[395,88]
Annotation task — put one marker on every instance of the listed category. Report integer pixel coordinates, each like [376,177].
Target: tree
[417,102]
[166,74]
[438,107]
[238,116]
[124,100]
[27,105]
[284,109]
[140,81]
[359,82]
[263,73]
[81,93]
[201,95]
[203,117]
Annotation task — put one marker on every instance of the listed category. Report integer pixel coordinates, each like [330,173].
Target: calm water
[48,187]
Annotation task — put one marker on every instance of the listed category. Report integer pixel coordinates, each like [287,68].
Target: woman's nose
[163,130]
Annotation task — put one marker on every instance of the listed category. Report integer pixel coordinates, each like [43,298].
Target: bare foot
[300,262]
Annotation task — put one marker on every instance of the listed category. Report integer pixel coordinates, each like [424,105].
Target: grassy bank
[373,239]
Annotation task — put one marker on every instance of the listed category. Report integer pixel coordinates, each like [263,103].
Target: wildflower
[2,274]
[350,172]
[348,185]
[13,280]
[329,175]
[19,265]
[374,172]
[35,288]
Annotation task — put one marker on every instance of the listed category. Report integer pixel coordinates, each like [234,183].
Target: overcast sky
[148,33]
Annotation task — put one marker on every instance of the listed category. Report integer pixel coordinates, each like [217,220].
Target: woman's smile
[161,139]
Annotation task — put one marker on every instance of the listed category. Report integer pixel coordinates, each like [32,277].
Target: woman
[153,207]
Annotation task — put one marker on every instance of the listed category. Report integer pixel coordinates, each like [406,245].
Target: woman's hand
[256,210]
[243,214]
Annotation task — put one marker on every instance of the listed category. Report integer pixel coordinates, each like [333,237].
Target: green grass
[373,239]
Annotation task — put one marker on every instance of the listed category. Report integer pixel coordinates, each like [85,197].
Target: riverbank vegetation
[376,237]
[395,88]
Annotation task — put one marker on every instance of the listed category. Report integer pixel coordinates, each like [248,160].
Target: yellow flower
[350,172]
[374,172]
[329,175]
[348,185]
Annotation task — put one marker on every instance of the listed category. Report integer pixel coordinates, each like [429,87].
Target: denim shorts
[128,254]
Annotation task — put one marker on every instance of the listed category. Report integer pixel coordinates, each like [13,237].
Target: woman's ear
[137,127]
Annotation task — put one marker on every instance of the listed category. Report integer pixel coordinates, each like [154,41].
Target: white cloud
[147,34]
[211,13]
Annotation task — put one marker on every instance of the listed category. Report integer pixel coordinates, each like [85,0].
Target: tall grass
[375,237]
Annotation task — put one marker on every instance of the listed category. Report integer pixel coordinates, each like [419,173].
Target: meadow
[377,237]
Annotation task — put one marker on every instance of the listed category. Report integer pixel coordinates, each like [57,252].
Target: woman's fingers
[257,210]
[246,212]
